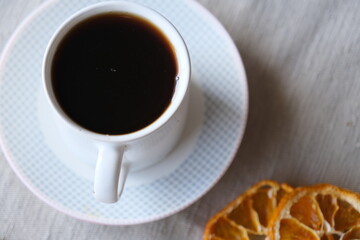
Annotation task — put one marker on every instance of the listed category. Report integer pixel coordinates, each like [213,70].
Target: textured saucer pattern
[217,68]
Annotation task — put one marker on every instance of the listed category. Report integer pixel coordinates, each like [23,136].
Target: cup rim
[181,53]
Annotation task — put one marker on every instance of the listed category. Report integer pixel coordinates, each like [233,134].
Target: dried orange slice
[249,214]
[320,212]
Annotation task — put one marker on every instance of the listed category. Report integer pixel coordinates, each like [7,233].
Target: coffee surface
[114,73]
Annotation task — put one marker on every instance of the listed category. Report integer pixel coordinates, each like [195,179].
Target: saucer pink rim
[87,218]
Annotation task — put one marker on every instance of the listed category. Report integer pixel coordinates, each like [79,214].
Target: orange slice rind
[249,214]
[320,212]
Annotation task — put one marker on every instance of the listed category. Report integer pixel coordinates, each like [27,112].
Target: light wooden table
[303,64]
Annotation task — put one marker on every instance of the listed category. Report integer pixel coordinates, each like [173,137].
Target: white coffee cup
[118,154]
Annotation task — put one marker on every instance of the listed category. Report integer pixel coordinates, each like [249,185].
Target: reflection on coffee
[114,73]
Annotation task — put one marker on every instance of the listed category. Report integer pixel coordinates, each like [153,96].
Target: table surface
[303,66]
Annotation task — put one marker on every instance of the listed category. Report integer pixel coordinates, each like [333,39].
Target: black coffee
[114,73]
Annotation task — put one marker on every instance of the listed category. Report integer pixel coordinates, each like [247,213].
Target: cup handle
[110,174]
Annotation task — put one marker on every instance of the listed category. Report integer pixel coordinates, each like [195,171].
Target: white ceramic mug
[117,154]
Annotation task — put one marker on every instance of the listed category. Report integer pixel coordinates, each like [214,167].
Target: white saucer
[218,112]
